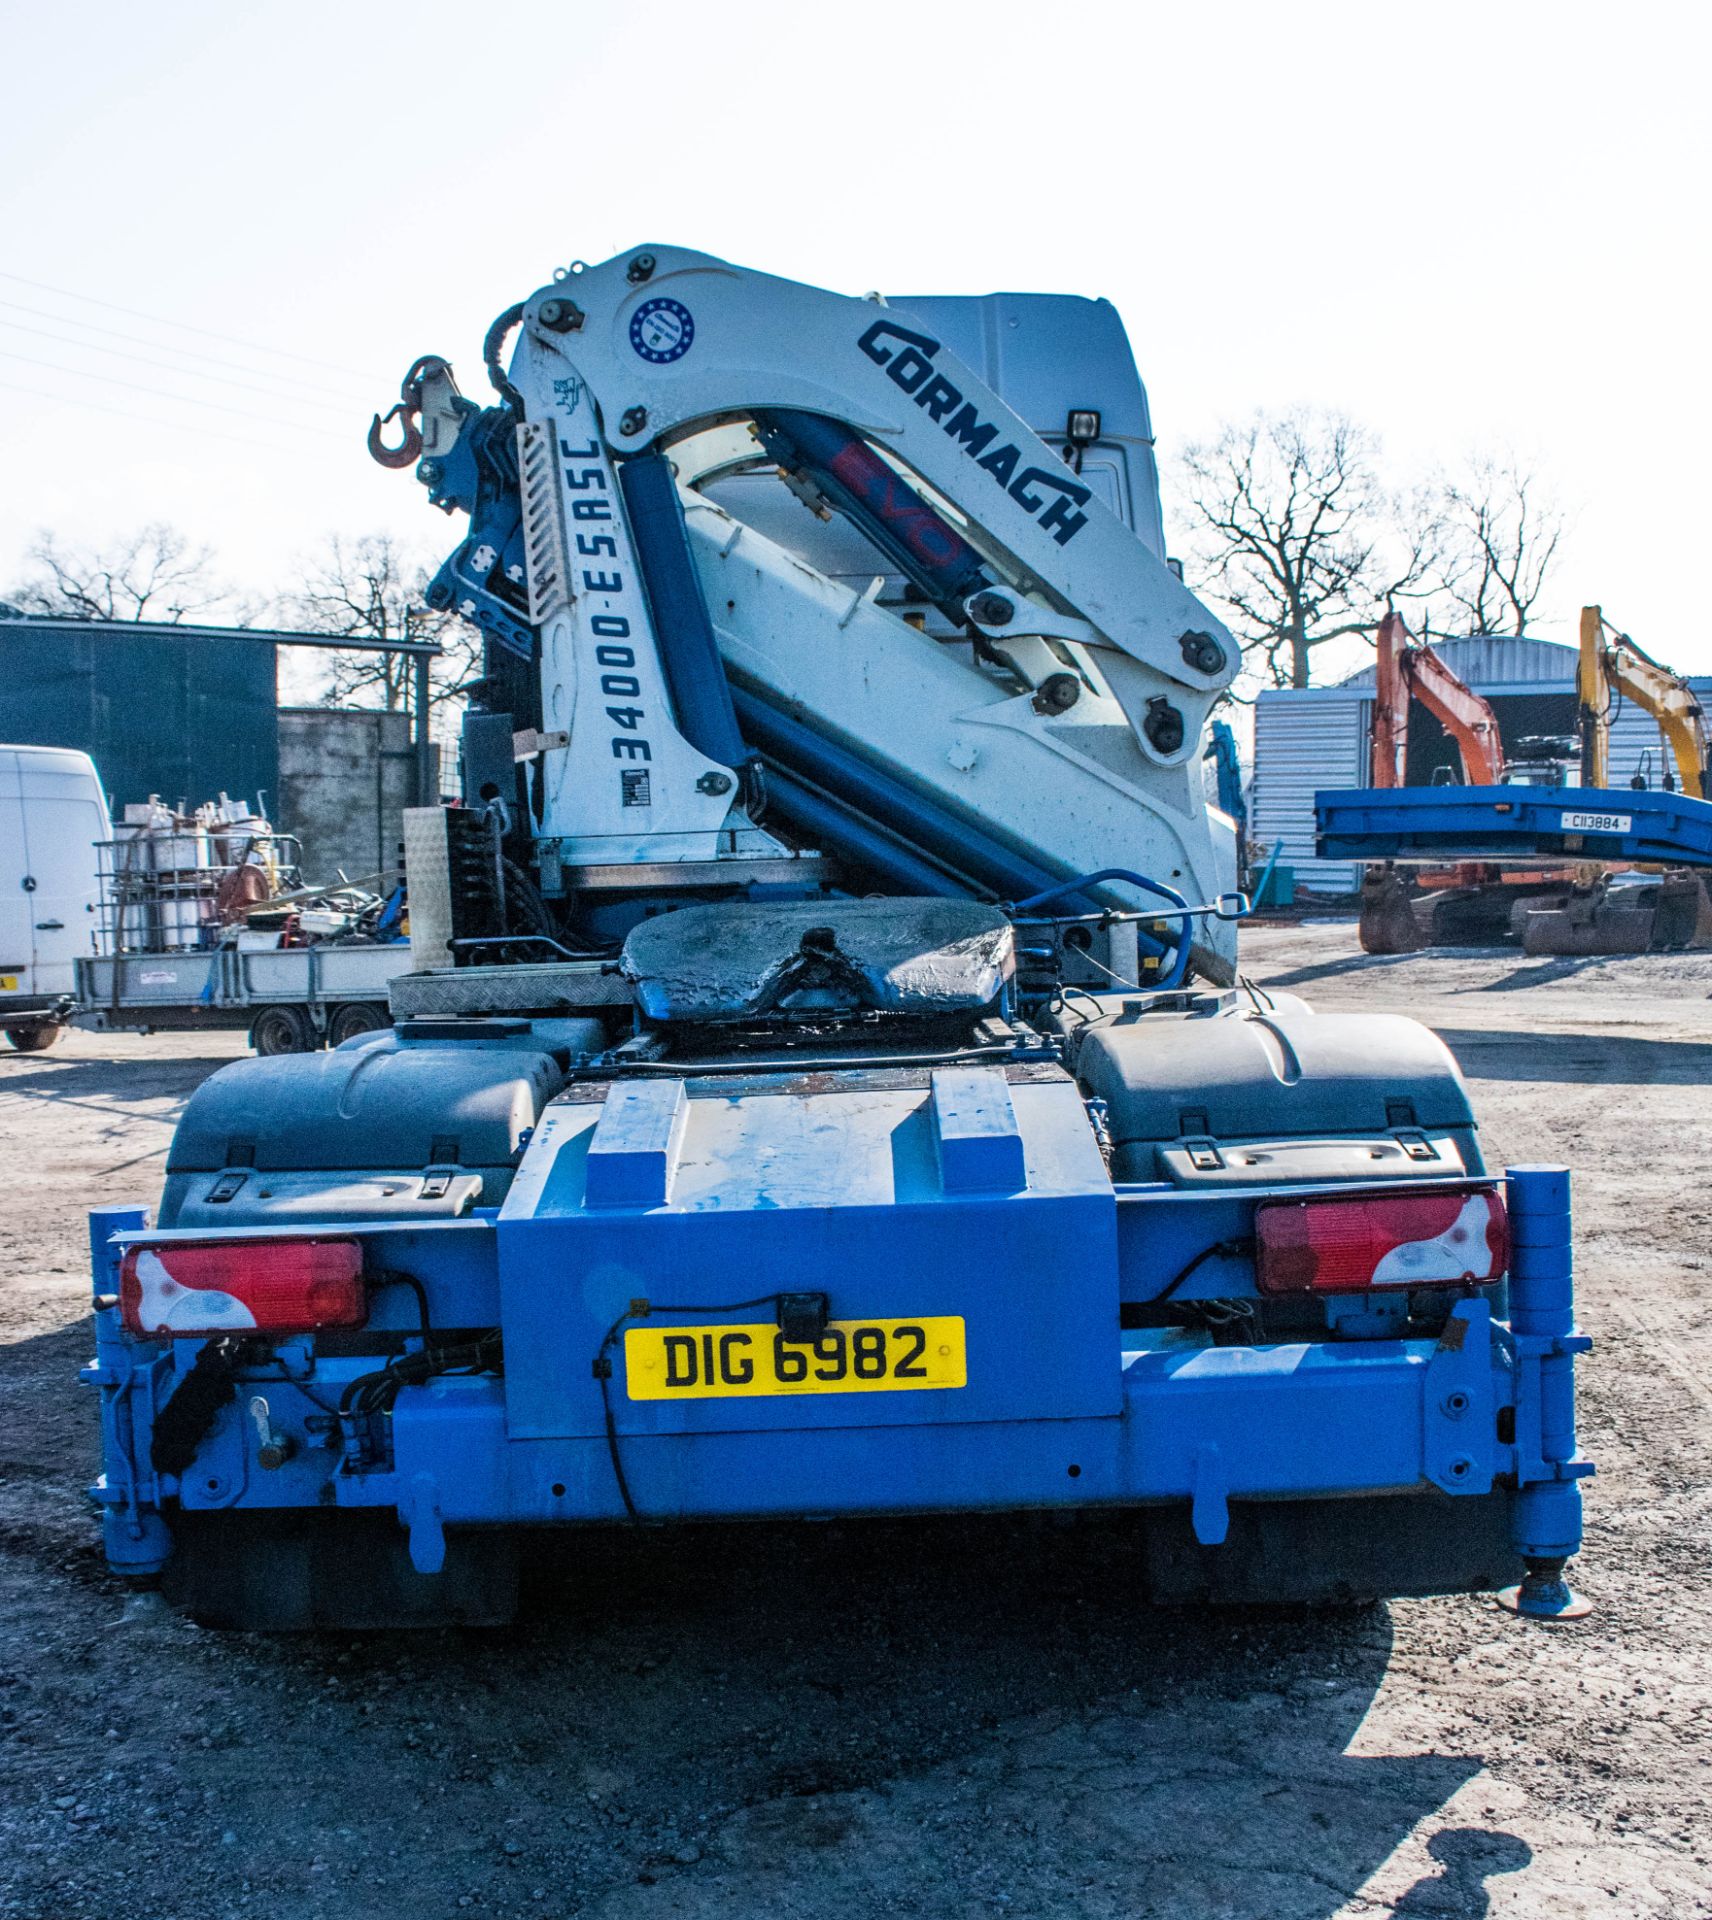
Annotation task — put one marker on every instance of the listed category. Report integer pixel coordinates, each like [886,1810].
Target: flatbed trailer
[1617,826]
[292,999]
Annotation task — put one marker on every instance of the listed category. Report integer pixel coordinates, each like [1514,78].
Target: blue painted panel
[1377,823]
[975,1130]
[1297,1420]
[838,1192]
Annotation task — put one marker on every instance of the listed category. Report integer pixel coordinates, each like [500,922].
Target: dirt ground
[931,1720]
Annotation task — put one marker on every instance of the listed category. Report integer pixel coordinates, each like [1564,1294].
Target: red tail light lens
[242,1286]
[1367,1243]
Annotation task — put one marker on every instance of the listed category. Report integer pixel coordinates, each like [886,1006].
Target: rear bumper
[1487,1409]
[32,1010]
[1204,1426]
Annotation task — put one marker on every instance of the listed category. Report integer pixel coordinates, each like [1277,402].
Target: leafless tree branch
[152,574]
[1295,536]
[369,588]
[1502,537]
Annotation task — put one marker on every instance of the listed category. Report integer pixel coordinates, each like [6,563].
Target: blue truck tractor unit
[823,1085]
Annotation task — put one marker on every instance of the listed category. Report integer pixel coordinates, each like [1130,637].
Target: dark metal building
[185,712]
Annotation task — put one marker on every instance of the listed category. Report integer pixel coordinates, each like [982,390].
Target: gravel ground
[925,1719]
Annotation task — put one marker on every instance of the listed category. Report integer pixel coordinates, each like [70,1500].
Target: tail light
[242,1286]
[1365,1243]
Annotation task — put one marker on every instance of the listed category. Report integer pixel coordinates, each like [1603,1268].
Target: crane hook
[408,448]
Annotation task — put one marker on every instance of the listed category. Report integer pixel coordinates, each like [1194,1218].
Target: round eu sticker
[661,330]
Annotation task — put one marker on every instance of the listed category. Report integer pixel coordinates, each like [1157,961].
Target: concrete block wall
[345,777]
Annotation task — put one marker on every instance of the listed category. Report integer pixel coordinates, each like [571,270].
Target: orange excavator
[1409,670]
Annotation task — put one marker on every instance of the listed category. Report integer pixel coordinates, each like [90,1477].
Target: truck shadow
[888,1681]
[816,1718]
[1489,1053]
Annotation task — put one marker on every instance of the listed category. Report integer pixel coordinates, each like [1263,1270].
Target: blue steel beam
[1615,824]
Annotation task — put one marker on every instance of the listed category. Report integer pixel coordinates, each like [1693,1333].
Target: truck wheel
[36,1039]
[356,1016]
[282,1030]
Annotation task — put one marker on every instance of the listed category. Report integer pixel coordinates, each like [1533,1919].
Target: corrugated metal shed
[1314,737]
[1302,742]
[184,715]
[1489,660]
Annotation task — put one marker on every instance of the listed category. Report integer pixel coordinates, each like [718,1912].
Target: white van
[52,813]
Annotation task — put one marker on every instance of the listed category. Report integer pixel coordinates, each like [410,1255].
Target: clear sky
[1470,226]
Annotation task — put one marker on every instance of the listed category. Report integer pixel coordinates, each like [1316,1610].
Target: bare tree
[153,574]
[1298,539]
[368,588]
[1501,536]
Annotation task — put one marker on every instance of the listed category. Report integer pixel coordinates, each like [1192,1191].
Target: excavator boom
[1408,670]
[1612,662]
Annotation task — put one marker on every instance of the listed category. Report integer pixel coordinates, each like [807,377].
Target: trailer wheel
[354,1017]
[282,1030]
[36,1039]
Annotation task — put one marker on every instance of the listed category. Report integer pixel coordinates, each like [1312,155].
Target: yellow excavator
[1676,911]
[1613,665]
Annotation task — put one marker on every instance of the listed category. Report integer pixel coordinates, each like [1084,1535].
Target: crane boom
[1014,692]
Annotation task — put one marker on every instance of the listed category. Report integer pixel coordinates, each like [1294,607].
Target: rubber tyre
[353,1018]
[277,1030]
[36,1039]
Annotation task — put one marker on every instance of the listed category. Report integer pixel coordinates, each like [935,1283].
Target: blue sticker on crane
[662,330]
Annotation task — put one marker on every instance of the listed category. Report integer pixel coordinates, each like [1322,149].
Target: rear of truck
[1200,1254]
[739,1152]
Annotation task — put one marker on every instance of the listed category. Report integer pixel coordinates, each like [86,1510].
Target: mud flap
[1388,923]
[1335,1552]
[298,1571]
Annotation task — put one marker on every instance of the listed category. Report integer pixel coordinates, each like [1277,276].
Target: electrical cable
[125,413]
[200,354]
[493,344]
[1129,986]
[1219,1250]
[1257,994]
[162,393]
[166,366]
[640,1310]
[302,1386]
[407,1280]
[1087,1019]
[183,326]
[373,1394]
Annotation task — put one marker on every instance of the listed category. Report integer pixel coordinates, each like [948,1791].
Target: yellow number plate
[851,1356]
[9,982]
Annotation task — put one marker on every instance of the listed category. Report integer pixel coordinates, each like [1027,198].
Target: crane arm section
[693,340]
[697,679]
